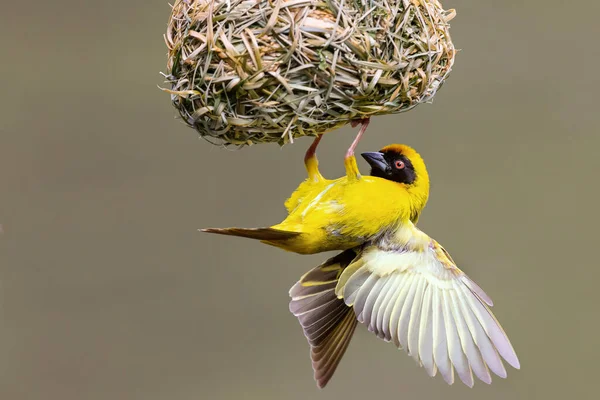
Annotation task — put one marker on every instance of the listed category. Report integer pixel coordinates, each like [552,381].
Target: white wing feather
[415,296]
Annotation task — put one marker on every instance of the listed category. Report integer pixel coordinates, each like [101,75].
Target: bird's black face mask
[392,166]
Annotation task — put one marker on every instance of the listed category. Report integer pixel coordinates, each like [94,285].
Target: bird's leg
[364,123]
[310,160]
[350,161]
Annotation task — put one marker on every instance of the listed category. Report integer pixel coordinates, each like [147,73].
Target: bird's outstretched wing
[409,291]
[328,323]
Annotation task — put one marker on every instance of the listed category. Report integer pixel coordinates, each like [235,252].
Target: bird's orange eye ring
[399,164]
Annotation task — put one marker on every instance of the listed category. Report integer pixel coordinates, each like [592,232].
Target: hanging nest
[256,71]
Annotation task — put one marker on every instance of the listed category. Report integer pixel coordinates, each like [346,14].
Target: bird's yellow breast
[342,213]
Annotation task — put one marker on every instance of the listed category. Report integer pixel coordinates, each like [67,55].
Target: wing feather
[415,320]
[318,332]
[363,293]
[386,297]
[387,315]
[328,323]
[317,314]
[328,355]
[396,312]
[354,285]
[457,357]
[374,294]
[488,352]
[412,294]
[492,329]
[468,344]
[477,290]
[426,333]
[440,344]
[405,314]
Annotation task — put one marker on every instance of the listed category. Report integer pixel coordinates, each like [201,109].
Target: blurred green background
[108,290]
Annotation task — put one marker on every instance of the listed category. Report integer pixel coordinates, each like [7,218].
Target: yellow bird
[391,276]
[407,289]
[339,214]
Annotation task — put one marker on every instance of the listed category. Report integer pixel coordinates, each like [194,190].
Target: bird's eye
[399,164]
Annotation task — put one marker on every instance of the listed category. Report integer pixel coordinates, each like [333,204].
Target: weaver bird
[340,214]
[407,289]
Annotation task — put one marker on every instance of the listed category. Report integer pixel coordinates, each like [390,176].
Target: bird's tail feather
[267,234]
[328,323]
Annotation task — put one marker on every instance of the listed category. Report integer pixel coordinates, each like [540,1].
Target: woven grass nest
[254,71]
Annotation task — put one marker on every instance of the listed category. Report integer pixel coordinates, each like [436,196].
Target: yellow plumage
[343,213]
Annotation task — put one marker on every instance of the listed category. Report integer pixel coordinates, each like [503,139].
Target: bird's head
[399,163]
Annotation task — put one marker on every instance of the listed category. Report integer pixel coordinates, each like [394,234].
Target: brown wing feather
[328,323]
[327,356]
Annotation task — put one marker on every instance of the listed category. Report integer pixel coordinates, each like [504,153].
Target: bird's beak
[376,160]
